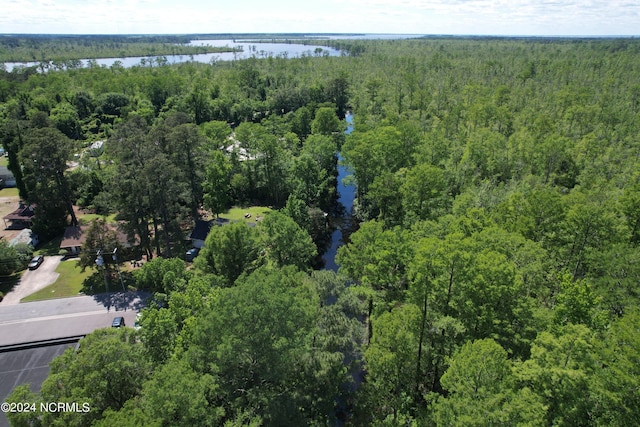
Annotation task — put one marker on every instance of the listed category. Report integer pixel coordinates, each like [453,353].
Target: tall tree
[482,390]
[44,157]
[108,369]
[217,184]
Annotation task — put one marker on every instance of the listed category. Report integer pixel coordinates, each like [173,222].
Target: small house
[73,239]
[20,218]
[200,233]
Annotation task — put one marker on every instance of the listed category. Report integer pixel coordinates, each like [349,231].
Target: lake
[256,50]
[250,48]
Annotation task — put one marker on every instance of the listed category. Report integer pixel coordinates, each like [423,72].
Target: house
[73,239]
[20,218]
[201,231]
[75,236]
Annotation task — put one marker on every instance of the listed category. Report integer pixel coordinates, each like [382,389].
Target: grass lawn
[85,219]
[237,214]
[68,284]
[9,192]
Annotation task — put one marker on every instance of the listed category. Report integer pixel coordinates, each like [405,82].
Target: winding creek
[342,219]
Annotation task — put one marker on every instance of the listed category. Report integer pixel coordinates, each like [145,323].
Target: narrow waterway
[342,219]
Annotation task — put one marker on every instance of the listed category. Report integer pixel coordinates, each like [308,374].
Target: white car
[136,325]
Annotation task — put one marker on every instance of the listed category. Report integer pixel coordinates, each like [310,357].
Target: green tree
[559,371]
[285,242]
[615,381]
[44,157]
[326,122]
[177,395]
[162,275]
[217,184]
[482,390]
[257,339]
[108,369]
[337,91]
[186,144]
[230,251]
[159,330]
[423,192]
[99,237]
[65,118]
[390,360]
[10,262]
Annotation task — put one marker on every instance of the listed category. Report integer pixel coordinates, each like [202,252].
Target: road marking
[59,316]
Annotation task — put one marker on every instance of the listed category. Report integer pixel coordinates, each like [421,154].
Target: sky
[455,17]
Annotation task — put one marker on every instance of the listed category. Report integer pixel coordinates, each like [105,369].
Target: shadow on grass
[7,283]
[52,247]
[95,283]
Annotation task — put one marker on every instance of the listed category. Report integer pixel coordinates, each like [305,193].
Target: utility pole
[100,263]
[115,260]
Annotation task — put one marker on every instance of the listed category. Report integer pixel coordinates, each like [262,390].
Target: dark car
[36,261]
[191,254]
[118,322]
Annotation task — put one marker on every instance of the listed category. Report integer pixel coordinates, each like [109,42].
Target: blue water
[346,195]
[250,49]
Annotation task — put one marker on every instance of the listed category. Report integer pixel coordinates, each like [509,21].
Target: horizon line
[305,34]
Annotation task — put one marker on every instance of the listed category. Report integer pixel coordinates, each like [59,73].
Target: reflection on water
[249,50]
[342,220]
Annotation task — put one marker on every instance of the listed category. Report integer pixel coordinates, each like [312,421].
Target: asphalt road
[46,320]
[33,280]
[66,317]
[29,366]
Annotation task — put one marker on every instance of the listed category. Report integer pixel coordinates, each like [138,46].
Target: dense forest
[493,278]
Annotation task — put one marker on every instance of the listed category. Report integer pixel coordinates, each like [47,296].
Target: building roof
[201,230]
[23,213]
[74,236]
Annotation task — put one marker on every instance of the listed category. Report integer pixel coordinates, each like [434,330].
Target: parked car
[191,254]
[36,261]
[118,322]
[136,325]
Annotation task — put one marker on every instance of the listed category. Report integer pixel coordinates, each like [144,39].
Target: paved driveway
[33,280]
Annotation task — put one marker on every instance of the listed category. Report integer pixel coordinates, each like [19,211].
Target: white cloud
[536,17]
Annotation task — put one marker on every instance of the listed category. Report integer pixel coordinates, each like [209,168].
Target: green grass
[85,219]
[237,214]
[68,284]
[9,192]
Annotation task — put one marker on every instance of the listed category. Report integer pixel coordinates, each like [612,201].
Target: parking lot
[27,366]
